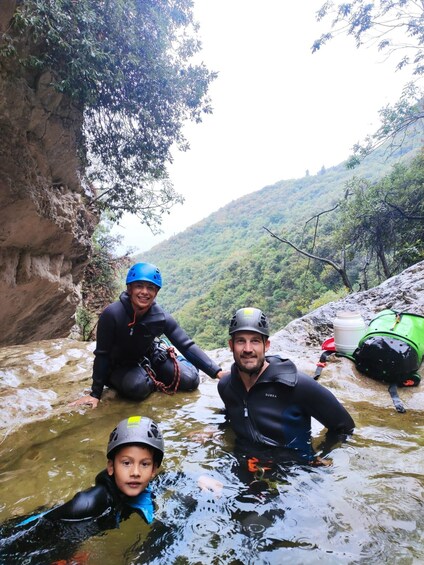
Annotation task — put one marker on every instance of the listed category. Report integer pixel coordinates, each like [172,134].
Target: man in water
[268,402]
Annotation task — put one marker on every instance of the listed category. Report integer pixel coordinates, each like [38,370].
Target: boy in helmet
[134,454]
[269,403]
[128,357]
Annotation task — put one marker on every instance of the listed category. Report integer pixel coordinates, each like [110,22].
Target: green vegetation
[228,260]
[383,221]
[126,66]
[103,279]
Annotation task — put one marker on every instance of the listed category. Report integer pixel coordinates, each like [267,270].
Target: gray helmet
[133,430]
[249,319]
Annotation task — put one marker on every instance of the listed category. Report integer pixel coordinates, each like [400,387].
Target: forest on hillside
[366,223]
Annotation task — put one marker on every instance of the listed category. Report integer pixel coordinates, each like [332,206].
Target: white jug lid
[348,314]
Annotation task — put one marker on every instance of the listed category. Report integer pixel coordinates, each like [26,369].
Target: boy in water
[134,454]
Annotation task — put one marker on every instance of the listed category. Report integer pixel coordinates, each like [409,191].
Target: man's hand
[320,462]
[86,400]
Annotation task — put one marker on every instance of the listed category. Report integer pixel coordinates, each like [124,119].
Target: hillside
[228,260]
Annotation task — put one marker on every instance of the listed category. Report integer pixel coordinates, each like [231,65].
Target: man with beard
[269,403]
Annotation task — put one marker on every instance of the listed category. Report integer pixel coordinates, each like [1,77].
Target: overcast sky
[279,110]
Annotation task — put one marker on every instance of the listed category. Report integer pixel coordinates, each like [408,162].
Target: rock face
[45,226]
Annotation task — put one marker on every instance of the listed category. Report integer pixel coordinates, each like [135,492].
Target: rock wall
[45,225]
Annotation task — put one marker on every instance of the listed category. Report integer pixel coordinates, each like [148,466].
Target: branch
[317,217]
[336,267]
[402,213]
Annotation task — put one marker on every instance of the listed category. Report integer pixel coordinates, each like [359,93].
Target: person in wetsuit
[134,454]
[268,402]
[128,356]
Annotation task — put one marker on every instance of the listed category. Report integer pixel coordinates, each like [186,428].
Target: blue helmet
[144,272]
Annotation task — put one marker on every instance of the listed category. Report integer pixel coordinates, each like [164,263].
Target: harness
[167,351]
[172,387]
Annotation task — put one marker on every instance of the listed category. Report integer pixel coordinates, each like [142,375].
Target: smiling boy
[134,455]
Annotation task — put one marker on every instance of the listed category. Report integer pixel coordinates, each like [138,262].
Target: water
[367,507]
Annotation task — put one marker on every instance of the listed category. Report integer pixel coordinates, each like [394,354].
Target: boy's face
[133,469]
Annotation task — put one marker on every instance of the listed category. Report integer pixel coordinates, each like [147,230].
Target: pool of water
[367,507]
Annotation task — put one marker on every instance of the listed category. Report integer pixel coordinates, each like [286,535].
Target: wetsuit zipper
[253,432]
[256,436]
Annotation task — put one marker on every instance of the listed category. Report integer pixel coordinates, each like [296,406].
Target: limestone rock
[45,225]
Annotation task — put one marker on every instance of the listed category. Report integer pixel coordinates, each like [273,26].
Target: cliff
[45,225]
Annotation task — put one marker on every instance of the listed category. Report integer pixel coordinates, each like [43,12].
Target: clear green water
[368,507]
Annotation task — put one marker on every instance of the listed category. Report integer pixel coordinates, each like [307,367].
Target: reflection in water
[368,507]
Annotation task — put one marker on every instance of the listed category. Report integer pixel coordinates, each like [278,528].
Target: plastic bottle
[349,327]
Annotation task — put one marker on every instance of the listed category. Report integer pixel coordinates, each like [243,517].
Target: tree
[397,28]
[384,221]
[340,267]
[376,227]
[103,277]
[127,66]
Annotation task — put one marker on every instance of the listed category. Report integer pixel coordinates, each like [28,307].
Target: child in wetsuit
[134,454]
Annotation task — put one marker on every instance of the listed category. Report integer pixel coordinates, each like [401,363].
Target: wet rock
[45,224]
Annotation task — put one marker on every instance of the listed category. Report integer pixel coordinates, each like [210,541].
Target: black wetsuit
[57,533]
[123,346]
[277,410]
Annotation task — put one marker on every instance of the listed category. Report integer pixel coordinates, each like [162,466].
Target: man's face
[249,351]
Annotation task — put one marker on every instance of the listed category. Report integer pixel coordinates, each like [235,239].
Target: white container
[349,328]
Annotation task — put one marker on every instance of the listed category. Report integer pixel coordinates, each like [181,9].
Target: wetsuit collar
[143,503]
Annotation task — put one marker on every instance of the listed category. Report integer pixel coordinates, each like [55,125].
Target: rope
[396,400]
[162,387]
